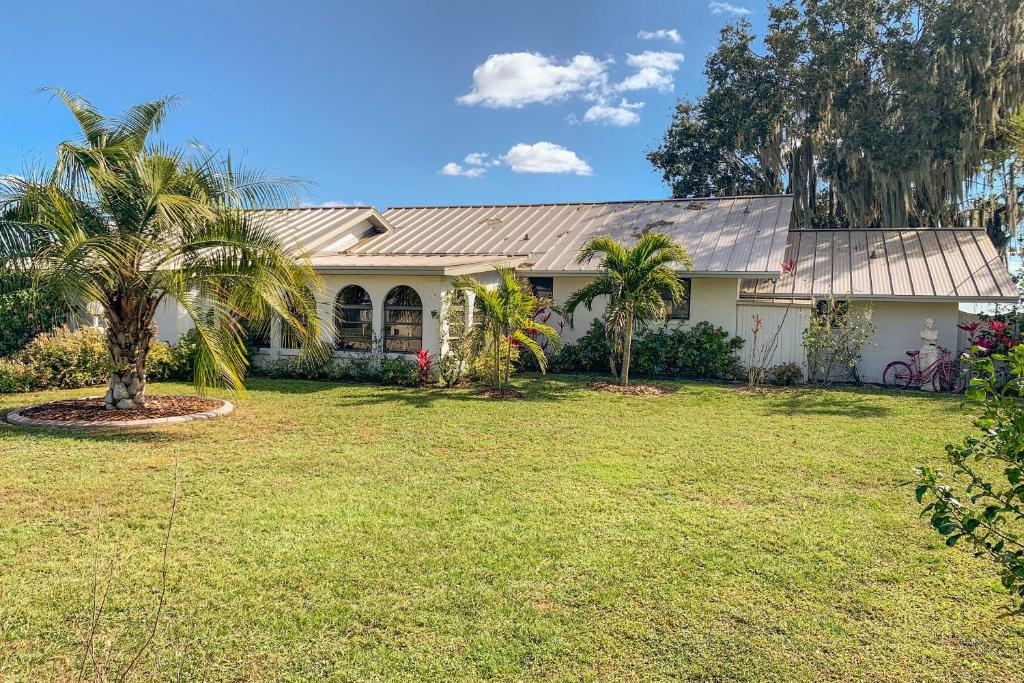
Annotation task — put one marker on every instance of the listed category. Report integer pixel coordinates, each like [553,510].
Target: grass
[362,533]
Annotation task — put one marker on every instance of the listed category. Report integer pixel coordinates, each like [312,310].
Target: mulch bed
[93,409]
[631,390]
[506,395]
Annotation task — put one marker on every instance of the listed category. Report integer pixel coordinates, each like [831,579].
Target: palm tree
[640,283]
[127,222]
[504,316]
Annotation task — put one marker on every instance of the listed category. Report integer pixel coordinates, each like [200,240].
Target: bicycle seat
[912,353]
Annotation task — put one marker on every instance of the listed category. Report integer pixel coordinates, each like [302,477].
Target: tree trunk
[128,346]
[627,346]
[497,361]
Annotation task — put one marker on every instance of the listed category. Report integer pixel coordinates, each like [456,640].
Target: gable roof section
[951,264]
[317,230]
[728,236]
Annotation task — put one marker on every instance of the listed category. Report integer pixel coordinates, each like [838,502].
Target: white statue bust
[929,353]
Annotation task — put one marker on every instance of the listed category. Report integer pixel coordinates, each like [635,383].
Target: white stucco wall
[711,299]
[899,327]
[429,287]
[171,321]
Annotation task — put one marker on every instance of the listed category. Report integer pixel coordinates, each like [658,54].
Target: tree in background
[640,283]
[126,222]
[503,318]
[871,112]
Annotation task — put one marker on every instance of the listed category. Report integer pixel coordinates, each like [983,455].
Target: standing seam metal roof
[739,235]
[939,263]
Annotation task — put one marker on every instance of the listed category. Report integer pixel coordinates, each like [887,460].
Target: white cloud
[481,159]
[654,70]
[454,169]
[515,79]
[663,61]
[545,157]
[661,34]
[726,8]
[622,114]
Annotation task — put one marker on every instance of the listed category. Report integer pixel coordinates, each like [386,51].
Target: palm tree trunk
[497,360]
[627,346]
[128,349]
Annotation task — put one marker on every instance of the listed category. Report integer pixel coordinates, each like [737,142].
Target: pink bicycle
[944,374]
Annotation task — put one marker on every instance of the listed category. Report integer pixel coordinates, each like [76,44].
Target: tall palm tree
[503,316]
[640,282]
[127,222]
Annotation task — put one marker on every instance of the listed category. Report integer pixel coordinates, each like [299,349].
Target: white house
[387,274]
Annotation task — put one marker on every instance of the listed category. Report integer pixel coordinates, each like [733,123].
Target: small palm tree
[640,283]
[504,316]
[124,222]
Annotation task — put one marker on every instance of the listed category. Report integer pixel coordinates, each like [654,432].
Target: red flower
[788,267]
[997,326]
[970,328]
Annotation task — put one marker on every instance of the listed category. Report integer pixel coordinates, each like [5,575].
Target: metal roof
[318,229]
[724,236]
[954,264]
[436,264]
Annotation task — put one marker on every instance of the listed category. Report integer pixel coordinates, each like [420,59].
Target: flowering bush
[990,336]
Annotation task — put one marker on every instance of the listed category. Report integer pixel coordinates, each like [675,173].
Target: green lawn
[361,533]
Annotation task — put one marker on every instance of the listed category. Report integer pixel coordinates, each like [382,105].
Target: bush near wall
[358,367]
[702,351]
[71,359]
[22,317]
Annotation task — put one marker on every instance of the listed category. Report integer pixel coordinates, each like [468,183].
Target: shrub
[786,374]
[590,353]
[399,372]
[834,339]
[160,363]
[702,351]
[22,318]
[15,376]
[67,359]
[981,502]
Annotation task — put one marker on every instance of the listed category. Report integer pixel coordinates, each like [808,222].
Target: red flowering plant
[992,336]
[425,365]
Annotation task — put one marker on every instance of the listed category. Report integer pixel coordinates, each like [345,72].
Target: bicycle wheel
[949,377]
[897,375]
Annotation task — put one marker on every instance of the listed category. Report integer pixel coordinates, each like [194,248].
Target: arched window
[353,319]
[403,321]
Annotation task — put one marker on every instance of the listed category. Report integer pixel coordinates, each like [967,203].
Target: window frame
[676,311]
[343,341]
[536,289]
[386,322]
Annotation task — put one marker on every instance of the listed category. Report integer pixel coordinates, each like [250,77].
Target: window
[259,335]
[353,319]
[680,309]
[403,321]
[839,308]
[543,287]
[456,315]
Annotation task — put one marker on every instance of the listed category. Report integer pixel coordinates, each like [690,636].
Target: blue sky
[380,103]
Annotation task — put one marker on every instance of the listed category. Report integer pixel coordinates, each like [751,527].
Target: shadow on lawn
[832,403]
[137,435]
[534,389]
[851,402]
